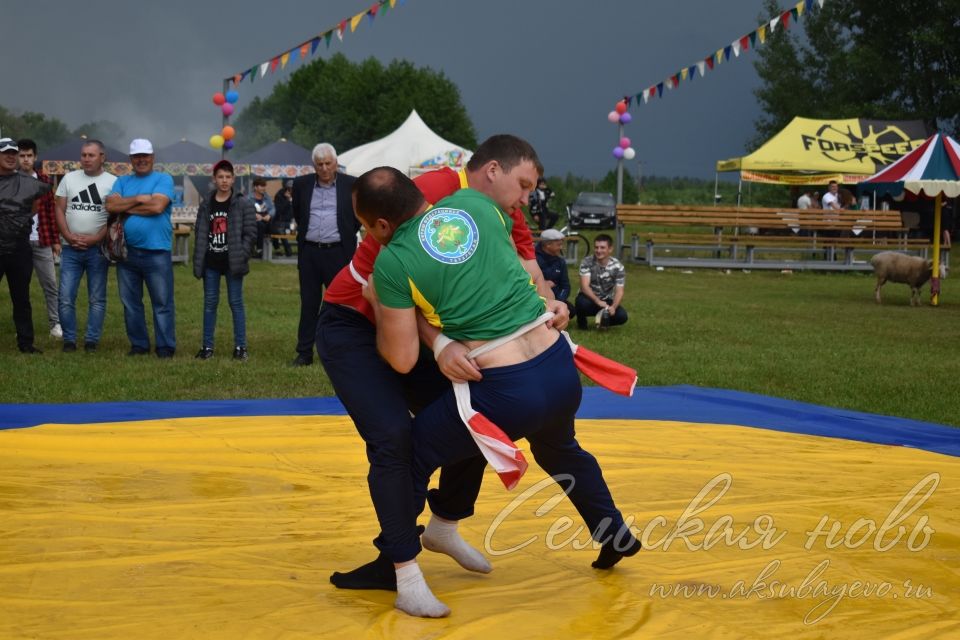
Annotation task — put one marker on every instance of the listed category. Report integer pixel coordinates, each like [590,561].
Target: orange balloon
[228,132]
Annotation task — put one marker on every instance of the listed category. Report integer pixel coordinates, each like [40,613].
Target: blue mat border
[682,403]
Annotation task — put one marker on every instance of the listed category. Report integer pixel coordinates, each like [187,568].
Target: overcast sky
[547,71]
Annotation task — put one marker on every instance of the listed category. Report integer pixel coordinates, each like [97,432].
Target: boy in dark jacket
[226,231]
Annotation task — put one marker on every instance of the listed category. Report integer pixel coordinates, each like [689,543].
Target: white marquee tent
[412,148]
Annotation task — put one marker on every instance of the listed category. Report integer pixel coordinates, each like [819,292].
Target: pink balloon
[626,118]
[624,142]
[227,108]
[613,117]
[617,152]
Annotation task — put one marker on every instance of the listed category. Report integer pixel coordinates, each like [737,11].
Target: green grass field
[813,337]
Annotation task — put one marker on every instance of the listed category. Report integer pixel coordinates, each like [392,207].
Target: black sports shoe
[137,351]
[69,347]
[240,353]
[90,347]
[29,349]
[204,354]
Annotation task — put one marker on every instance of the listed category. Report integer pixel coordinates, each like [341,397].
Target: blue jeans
[211,300]
[155,269]
[73,263]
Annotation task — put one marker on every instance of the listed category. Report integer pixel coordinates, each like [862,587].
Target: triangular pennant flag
[370,17]
[355,20]
[809,4]
[327,38]
[305,49]
[735,45]
[374,8]
[384,7]
[646,96]
[726,52]
[274,63]
[719,56]
[660,88]
[820,2]
[294,54]
[253,74]
[795,13]
[701,67]
[676,80]
[393,3]
[762,32]
[753,39]
[773,25]
[316,43]
[263,68]
[800,7]
[785,19]
[284,59]
[709,62]
[683,73]
[692,71]
[745,43]
[341,28]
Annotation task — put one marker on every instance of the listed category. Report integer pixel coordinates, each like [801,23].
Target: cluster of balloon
[224,139]
[621,116]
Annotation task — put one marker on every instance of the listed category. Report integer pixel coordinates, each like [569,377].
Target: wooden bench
[268,248]
[761,237]
[181,245]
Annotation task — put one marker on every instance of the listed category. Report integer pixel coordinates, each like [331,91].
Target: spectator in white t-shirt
[831,199]
[82,220]
[805,201]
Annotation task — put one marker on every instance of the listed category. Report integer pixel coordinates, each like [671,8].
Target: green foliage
[46,132]
[348,104]
[813,337]
[861,58]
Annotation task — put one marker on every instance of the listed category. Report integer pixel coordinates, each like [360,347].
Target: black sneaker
[240,353]
[29,349]
[69,347]
[137,351]
[204,354]
[164,353]
[90,347]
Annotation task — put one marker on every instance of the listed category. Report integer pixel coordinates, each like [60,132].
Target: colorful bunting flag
[316,43]
[305,49]
[373,9]
[735,48]
[284,59]
[355,20]
[253,74]
[263,68]
[274,63]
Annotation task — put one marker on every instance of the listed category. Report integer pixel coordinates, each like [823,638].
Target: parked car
[596,210]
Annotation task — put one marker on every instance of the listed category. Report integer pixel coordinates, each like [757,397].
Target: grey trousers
[47,276]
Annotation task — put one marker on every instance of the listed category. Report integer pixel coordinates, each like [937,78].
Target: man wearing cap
[553,265]
[144,200]
[18,194]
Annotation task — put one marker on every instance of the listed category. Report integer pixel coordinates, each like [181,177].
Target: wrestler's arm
[452,359]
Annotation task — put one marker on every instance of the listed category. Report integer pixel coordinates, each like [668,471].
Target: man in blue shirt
[144,200]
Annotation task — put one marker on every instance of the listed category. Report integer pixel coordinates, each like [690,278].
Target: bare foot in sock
[414,596]
[443,537]
[614,550]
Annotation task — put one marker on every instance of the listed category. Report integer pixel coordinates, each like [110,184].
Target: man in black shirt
[17,195]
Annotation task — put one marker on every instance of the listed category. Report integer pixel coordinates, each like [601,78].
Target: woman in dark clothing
[226,230]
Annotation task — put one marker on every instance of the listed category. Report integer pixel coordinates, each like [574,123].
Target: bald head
[385,193]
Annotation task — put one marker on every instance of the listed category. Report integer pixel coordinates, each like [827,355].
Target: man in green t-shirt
[455,264]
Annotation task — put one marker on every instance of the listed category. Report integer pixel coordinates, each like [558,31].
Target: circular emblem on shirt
[450,236]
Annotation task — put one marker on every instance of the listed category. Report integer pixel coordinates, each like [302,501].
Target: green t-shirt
[457,265]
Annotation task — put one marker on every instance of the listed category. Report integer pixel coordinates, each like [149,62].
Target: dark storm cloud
[549,71]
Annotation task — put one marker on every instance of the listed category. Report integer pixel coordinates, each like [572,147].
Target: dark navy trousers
[536,400]
[379,400]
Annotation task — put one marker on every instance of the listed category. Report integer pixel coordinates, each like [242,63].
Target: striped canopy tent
[932,170]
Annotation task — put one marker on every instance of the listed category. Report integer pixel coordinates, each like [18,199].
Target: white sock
[414,596]
[443,537]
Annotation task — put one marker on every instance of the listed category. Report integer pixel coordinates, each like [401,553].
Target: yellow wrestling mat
[230,528]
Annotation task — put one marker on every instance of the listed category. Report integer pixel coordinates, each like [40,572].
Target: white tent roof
[412,145]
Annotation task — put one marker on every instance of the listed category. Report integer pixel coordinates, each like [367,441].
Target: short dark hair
[604,237]
[508,150]
[386,193]
[26,144]
[224,165]
[258,182]
[832,182]
[96,143]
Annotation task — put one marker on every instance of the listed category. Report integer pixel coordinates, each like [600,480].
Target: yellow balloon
[216,141]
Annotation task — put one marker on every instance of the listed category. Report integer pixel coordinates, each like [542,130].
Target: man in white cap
[18,194]
[554,265]
[144,200]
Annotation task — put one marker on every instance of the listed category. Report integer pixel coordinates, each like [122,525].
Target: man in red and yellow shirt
[379,400]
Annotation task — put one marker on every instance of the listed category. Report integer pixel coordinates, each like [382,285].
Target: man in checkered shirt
[602,279]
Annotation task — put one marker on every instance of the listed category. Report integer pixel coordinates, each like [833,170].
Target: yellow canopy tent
[811,151]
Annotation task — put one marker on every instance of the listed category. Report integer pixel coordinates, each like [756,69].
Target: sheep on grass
[899,267]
